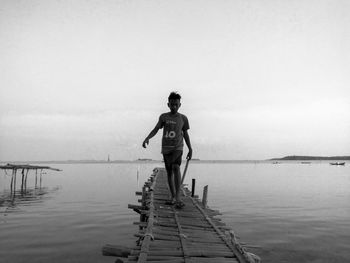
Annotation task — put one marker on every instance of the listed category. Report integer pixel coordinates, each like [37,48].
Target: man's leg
[171,183]
[168,161]
[177,173]
[177,180]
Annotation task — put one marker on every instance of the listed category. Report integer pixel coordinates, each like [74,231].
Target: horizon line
[160,160]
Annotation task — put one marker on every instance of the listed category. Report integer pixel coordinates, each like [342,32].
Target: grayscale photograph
[174,131]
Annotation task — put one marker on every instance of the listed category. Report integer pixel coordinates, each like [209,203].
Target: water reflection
[17,195]
[24,179]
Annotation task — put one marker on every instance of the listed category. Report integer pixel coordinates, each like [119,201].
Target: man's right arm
[152,133]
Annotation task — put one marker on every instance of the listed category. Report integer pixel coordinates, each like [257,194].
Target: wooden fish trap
[191,234]
[24,168]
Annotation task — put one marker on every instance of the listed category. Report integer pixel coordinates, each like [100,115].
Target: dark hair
[174,96]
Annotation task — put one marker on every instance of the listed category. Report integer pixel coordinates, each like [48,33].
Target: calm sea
[286,212]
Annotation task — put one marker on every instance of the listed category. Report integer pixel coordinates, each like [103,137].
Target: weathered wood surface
[190,234]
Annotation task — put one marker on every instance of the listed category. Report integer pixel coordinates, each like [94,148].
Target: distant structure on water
[144,159]
[108,160]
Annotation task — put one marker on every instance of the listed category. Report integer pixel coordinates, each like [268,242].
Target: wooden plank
[189,235]
[149,235]
[241,258]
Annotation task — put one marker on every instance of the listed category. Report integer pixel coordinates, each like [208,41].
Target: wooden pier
[190,234]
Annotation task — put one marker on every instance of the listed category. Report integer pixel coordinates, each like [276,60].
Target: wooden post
[193,187]
[41,174]
[143,203]
[205,196]
[25,180]
[36,178]
[144,193]
[13,173]
[117,251]
[22,185]
[22,176]
[14,182]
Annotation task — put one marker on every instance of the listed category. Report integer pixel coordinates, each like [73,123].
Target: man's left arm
[188,143]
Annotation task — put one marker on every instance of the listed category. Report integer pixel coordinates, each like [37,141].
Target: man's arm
[188,143]
[150,135]
[159,125]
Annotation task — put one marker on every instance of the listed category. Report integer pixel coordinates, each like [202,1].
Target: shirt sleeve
[160,123]
[186,124]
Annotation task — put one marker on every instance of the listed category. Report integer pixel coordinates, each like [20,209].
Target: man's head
[174,102]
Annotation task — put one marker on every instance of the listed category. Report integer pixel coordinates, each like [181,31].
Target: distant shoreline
[311,158]
[128,161]
[286,158]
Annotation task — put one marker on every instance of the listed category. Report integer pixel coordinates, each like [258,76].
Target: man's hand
[145,142]
[189,155]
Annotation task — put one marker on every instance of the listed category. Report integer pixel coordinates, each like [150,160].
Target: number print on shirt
[170,134]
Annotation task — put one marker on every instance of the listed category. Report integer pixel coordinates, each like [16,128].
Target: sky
[259,79]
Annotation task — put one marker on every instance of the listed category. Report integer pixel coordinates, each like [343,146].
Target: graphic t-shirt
[173,126]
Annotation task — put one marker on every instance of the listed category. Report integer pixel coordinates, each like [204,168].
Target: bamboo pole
[191,253]
[184,173]
[241,258]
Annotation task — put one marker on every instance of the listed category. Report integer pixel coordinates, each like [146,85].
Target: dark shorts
[174,157]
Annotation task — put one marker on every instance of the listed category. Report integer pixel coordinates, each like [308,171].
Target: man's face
[174,105]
